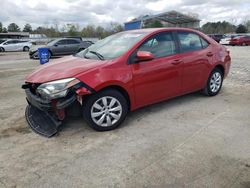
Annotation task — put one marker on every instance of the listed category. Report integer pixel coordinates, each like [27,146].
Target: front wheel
[214,83]
[2,49]
[105,110]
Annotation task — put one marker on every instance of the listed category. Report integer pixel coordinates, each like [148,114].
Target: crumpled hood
[65,67]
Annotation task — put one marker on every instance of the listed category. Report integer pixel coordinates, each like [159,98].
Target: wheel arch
[2,49]
[221,68]
[122,90]
[50,51]
[26,47]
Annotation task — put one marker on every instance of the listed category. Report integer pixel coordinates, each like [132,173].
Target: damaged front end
[47,103]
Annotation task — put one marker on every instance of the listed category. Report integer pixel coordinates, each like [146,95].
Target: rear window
[191,41]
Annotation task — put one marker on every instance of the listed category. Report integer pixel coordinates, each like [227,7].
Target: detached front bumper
[44,116]
[41,122]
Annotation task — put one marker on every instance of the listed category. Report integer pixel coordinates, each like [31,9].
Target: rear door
[73,46]
[196,54]
[160,78]
[20,45]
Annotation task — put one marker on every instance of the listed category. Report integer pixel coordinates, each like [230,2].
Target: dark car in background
[240,40]
[216,37]
[62,46]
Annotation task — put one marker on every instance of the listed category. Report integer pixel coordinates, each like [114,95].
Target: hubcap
[215,82]
[106,111]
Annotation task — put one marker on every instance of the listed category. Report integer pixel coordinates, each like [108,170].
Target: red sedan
[124,72]
[240,40]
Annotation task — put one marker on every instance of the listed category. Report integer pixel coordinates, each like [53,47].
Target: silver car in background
[12,45]
[62,46]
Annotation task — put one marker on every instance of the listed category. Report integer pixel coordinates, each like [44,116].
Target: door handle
[210,54]
[176,62]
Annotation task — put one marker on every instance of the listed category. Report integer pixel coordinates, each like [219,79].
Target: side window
[204,43]
[10,42]
[160,45]
[189,41]
[62,42]
[22,41]
[73,42]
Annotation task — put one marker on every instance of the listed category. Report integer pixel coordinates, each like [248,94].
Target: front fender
[108,76]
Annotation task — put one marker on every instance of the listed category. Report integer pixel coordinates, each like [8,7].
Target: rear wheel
[105,110]
[214,83]
[26,48]
[244,44]
[50,54]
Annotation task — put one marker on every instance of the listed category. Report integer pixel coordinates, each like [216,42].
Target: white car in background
[227,38]
[15,45]
[225,41]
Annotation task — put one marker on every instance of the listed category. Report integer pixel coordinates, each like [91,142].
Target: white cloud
[101,12]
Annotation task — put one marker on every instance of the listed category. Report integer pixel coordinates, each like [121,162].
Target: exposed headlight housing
[56,89]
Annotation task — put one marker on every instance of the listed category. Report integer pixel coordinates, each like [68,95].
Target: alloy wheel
[106,111]
[215,82]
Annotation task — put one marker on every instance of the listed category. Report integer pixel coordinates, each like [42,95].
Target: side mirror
[55,45]
[144,56]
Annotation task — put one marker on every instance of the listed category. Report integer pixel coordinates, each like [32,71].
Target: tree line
[101,32]
[225,27]
[66,30]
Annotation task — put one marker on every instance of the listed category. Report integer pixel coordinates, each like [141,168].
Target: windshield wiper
[97,54]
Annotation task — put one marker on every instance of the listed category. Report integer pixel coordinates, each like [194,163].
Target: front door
[60,47]
[160,78]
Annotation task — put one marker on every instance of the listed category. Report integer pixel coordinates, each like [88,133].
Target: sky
[103,12]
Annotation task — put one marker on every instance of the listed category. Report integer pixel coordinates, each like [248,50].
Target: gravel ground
[190,141]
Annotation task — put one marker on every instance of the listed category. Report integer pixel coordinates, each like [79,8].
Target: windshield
[1,41]
[112,47]
[51,43]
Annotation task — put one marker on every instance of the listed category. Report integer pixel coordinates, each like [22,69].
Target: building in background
[14,35]
[167,19]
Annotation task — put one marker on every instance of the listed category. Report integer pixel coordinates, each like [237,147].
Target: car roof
[152,30]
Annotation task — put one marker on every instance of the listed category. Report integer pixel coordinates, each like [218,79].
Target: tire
[81,49]
[214,83]
[2,49]
[109,116]
[50,54]
[244,44]
[26,48]
[34,55]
